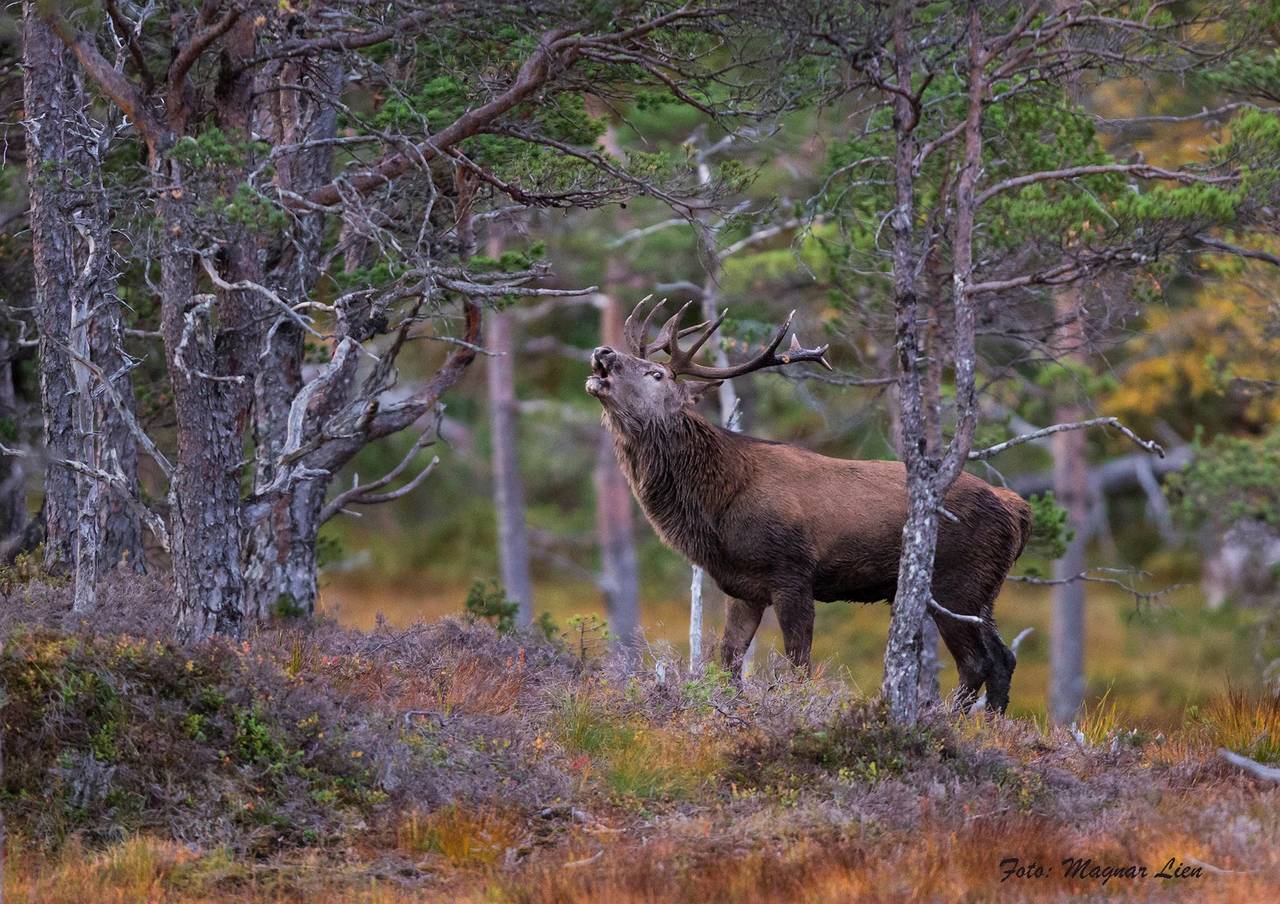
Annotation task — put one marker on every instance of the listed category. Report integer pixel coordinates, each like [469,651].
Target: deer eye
[656,374]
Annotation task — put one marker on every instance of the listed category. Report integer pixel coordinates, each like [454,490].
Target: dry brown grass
[476,767]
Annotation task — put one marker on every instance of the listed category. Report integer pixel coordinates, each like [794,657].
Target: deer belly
[856,577]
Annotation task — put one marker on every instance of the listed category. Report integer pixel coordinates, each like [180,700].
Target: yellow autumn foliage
[1212,356]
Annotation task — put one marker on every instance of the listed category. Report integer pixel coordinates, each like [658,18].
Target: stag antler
[634,331]
[682,362]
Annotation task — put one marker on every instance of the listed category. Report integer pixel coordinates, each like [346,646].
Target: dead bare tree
[89,527]
[271,331]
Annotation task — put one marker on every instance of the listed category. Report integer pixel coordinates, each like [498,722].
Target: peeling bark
[78,318]
[53,164]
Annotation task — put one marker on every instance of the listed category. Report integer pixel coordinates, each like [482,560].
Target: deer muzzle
[601,360]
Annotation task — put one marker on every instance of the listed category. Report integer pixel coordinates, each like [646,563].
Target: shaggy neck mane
[685,471]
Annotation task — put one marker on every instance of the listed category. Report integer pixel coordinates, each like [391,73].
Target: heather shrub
[108,735]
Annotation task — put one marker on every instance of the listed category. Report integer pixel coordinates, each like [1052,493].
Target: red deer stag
[774,524]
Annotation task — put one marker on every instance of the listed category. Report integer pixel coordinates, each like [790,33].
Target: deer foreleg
[794,609]
[740,623]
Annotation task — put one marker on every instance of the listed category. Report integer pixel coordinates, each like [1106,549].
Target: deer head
[636,389]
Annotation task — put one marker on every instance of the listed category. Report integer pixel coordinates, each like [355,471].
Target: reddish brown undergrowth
[447,761]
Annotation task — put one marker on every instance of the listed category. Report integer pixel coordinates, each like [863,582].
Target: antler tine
[707,327]
[768,356]
[632,331]
[666,340]
[780,335]
[796,353]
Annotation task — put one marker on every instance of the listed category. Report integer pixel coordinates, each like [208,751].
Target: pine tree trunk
[901,686]
[78,318]
[620,571]
[210,404]
[280,554]
[53,165]
[508,488]
[13,503]
[280,538]
[1071,489]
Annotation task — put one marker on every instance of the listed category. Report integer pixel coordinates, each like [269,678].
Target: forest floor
[447,761]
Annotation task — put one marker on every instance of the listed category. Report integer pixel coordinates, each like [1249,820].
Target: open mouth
[598,382]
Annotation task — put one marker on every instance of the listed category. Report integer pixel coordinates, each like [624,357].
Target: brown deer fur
[774,524]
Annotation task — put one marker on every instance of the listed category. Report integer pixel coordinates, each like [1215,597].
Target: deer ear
[698,390]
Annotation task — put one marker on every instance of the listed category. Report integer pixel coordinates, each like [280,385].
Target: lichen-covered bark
[78,318]
[281,534]
[52,173]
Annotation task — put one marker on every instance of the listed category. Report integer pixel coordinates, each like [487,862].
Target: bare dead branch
[106,381]
[122,92]
[1141,170]
[1251,766]
[1139,596]
[1238,250]
[991,451]
[938,607]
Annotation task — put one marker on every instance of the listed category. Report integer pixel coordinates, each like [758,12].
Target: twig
[991,451]
[1139,596]
[1253,767]
[938,607]
[574,864]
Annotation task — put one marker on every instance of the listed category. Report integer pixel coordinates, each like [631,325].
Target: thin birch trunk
[928,477]
[508,488]
[1071,490]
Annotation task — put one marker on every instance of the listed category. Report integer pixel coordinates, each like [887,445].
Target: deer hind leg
[794,609]
[741,620]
